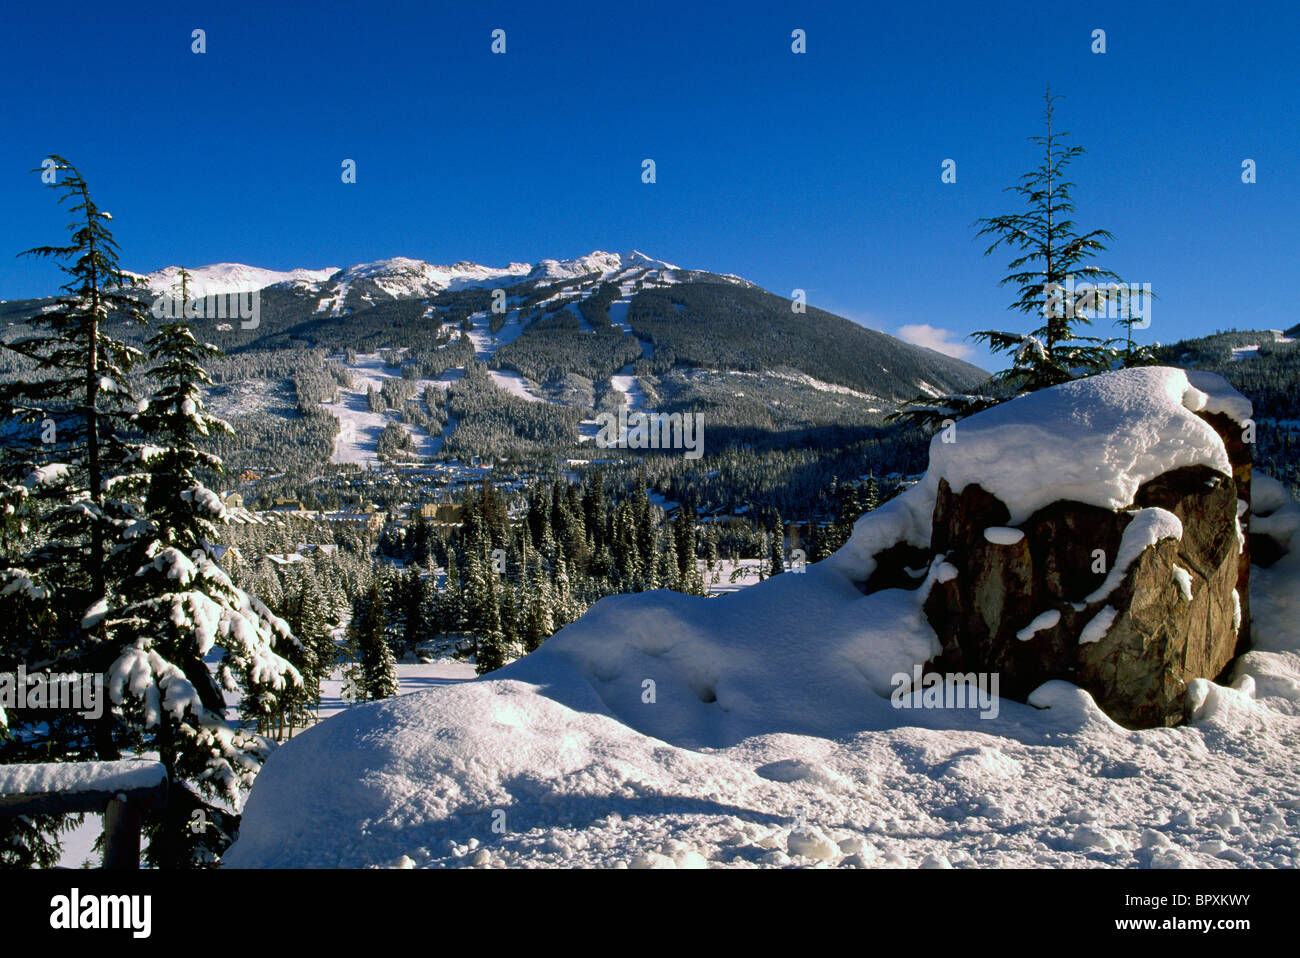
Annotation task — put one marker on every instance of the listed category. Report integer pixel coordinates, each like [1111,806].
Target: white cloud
[933,337]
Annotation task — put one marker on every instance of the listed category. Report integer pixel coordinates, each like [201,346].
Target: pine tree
[175,604]
[684,541]
[453,599]
[59,520]
[429,602]
[1050,252]
[667,571]
[378,667]
[373,670]
[491,651]
[776,549]
[538,622]
[1055,281]
[85,373]
[313,630]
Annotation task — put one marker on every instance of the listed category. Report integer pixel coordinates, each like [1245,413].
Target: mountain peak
[638,260]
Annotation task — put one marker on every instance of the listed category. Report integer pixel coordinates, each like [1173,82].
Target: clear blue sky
[818,171]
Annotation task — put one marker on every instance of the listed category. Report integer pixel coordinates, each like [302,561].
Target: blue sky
[818,171]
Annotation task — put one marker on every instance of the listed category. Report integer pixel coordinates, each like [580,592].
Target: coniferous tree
[1051,251]
[378,667]
[313,630]
[538,621]
[175,604]
[59,520]
[1055,281]
[491,649]
[372,670]
[452,604]
[776,550]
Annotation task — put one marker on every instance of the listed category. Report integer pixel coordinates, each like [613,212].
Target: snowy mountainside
[759,728]
[576,336]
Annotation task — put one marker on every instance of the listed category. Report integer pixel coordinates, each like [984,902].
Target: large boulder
[1115,556]
[1051,603]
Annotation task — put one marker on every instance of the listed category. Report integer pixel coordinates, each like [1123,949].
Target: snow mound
[1093,440]
[1003,536]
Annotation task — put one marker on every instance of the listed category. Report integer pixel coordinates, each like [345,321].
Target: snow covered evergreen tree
[175,605]
[776,547]
[373,670]
[56,520]
[493,651]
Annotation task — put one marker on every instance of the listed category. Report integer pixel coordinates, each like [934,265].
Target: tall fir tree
[776,548]
[1056,283]
[175,605]
[56,519]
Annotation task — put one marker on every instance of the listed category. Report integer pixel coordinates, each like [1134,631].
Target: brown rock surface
[1157,640]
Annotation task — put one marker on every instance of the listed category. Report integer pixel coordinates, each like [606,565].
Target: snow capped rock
[639,260]
[594,262]
[1145,529]
[1093,440]
[404,278]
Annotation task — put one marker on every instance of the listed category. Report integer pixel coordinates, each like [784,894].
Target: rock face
[1128,604]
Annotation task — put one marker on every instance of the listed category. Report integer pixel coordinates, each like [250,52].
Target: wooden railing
[120,791]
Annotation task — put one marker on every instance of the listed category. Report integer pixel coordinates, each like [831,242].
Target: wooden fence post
[121,833]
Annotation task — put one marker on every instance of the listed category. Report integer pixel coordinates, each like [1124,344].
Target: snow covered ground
[78,844]
[759,728]
[719,581]
[411,677]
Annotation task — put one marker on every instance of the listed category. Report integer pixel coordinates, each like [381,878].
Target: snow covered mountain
[230,278]
[579,335]
[401,278]
[397,277]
